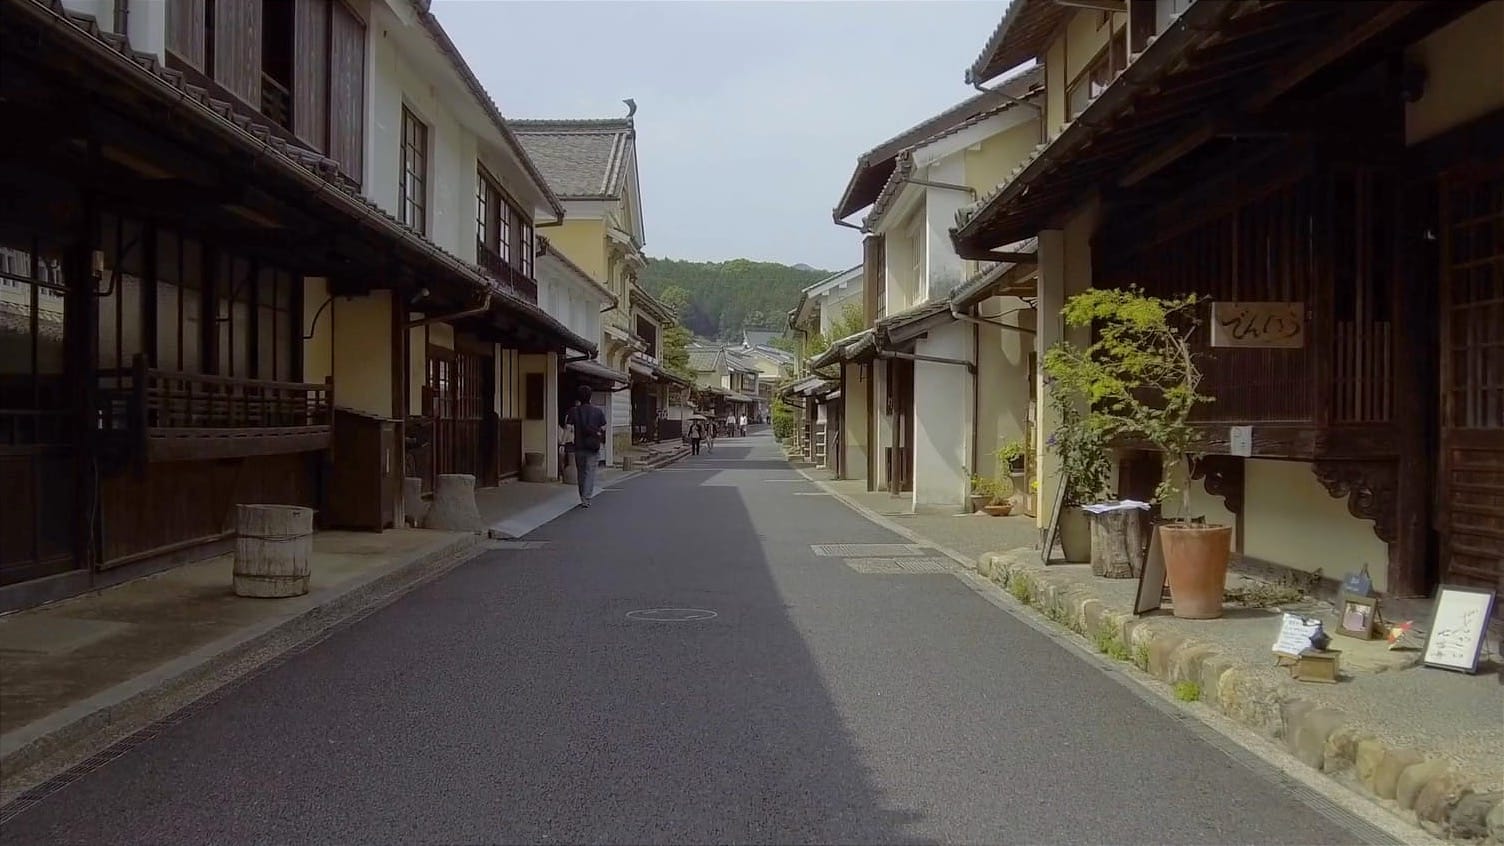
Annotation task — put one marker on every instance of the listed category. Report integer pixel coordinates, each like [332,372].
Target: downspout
[949,186]
[976,398]
[122,16]
[444,318]
[983,321]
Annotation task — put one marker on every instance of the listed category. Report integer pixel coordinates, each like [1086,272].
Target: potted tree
[1141,380]
[1080,440]
[991,495]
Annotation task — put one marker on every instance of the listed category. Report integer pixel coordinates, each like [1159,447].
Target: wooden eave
[1214,74]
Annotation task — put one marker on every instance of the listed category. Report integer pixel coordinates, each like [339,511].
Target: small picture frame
[1356,616]
[1459,619]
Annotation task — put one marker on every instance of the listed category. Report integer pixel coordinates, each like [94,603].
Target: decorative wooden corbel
[1370,488]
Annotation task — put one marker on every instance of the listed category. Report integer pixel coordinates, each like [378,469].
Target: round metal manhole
[671,615]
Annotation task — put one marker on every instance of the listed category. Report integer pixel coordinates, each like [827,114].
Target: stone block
[1185,664]
[1470,818]
[453,507]
[984,566]
[1251,701]
[1162,647]
[1341,749]
[1413,778]
[1495,821]
[1370,752]
[1213,667]
[1440,797]
[1291,712]
[1387,776]
[1093,615]
[1309,740]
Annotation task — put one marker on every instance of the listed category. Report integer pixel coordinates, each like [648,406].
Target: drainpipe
[932,359]
[983,321]
[444,318]
[857,226]
[976,398]
[122,16]
[1038,109]
[949,186]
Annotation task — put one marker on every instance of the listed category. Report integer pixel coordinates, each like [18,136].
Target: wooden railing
[140,404]
[276,102]
[508,277]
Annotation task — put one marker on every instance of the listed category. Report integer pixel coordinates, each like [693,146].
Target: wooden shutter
[310,71]
[237,49]
[185,31]
[873,256]
[347,90]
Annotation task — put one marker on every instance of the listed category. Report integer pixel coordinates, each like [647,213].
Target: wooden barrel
[1117,544]
[272,546]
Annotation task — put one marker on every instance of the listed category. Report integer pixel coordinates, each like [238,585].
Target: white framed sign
[1240,441]
[1458,622]
[1295,634]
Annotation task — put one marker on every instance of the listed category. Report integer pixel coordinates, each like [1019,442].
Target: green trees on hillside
[723,298]
[851,321]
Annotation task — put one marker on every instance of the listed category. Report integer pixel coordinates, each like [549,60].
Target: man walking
[742,423]
[589,423]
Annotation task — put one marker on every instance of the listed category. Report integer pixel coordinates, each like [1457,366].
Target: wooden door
[1471,515]
[901,407]
[457,403]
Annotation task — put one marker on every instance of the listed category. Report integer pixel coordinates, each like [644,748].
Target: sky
[750,114]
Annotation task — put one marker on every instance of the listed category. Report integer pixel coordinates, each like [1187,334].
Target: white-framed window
[413,190]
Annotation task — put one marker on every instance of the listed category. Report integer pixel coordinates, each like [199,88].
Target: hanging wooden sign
[1277,325]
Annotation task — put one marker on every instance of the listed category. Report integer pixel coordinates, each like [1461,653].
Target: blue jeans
[586,461]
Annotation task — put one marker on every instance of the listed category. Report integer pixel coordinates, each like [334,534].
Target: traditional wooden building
[227,256]
[1338,165]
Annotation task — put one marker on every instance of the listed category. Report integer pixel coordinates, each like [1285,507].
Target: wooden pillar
[81,330]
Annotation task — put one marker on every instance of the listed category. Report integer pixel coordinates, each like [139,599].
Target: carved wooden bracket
[1224,478]
[1370,488]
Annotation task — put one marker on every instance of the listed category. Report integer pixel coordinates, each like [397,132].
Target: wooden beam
[1116,6]
[1351,33]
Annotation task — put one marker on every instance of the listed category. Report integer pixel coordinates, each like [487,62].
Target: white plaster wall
[1003,381]
[901,290]
[1290,519]
[832,306]
[537,435]
[621,418]
[942,419]
[854,421]
[944,270]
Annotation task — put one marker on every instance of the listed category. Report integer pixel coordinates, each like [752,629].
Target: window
[523,233]
[180,285]
[1097,75]
[413,199]
[119,301]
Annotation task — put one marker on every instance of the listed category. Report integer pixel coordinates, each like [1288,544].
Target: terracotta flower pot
[999,510]
[1075,535]
[979,502]
[1196,566]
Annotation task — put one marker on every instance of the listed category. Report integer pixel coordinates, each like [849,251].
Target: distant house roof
[581,159]
[875,166]
[704,361]
[759,337]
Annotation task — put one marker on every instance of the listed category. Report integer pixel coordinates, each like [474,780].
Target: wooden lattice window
[1473,370]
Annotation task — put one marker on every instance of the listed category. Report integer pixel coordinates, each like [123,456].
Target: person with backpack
[589,423]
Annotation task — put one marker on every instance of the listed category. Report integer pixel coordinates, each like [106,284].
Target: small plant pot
[1075,535]
[979,502]
[1002,509]
[1196,567]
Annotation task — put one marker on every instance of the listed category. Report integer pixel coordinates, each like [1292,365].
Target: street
[515,700]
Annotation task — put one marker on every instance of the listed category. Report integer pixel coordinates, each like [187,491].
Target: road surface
[519,699]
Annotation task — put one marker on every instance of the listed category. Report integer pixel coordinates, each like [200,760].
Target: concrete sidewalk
[1424,743]
[81,674]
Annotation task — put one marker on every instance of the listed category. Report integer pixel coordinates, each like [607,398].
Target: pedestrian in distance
[742,424]
[589,423]
[710,433]
[696,435]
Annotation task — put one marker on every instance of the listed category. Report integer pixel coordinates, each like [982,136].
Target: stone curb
[134,704]
[1423,790]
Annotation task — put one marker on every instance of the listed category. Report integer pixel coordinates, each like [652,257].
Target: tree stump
[453,508]
[272,546]
[1117,544]
[413,506]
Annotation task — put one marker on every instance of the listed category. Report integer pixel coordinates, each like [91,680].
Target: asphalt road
[514,700]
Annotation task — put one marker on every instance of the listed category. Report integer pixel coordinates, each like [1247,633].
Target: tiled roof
[704,361]
[292,160]
[582,159]
[1022,34]
[759,337]
[988,281]
[876,165]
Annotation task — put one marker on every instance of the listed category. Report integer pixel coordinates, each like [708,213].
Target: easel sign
[1151,580]
[1053,530]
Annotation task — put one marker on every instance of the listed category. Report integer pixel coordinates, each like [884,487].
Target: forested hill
[724,297]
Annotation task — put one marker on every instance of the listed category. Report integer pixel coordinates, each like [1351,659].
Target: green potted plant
[1011,455]
[1080,440]
[991,495]
[1141,380]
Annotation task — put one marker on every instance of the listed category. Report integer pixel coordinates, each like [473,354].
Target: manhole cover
[670,615]
[899,566]
[865,550]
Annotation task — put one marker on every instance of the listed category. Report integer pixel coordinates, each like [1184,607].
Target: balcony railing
[509,278]
[276,102]
[161,415]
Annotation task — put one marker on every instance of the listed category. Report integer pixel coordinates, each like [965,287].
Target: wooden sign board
[1253,325]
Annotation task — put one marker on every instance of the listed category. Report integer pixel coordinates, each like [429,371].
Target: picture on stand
[1357,617]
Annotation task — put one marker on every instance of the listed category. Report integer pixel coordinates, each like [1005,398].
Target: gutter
[445,318]
[971,367]
[982,321]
